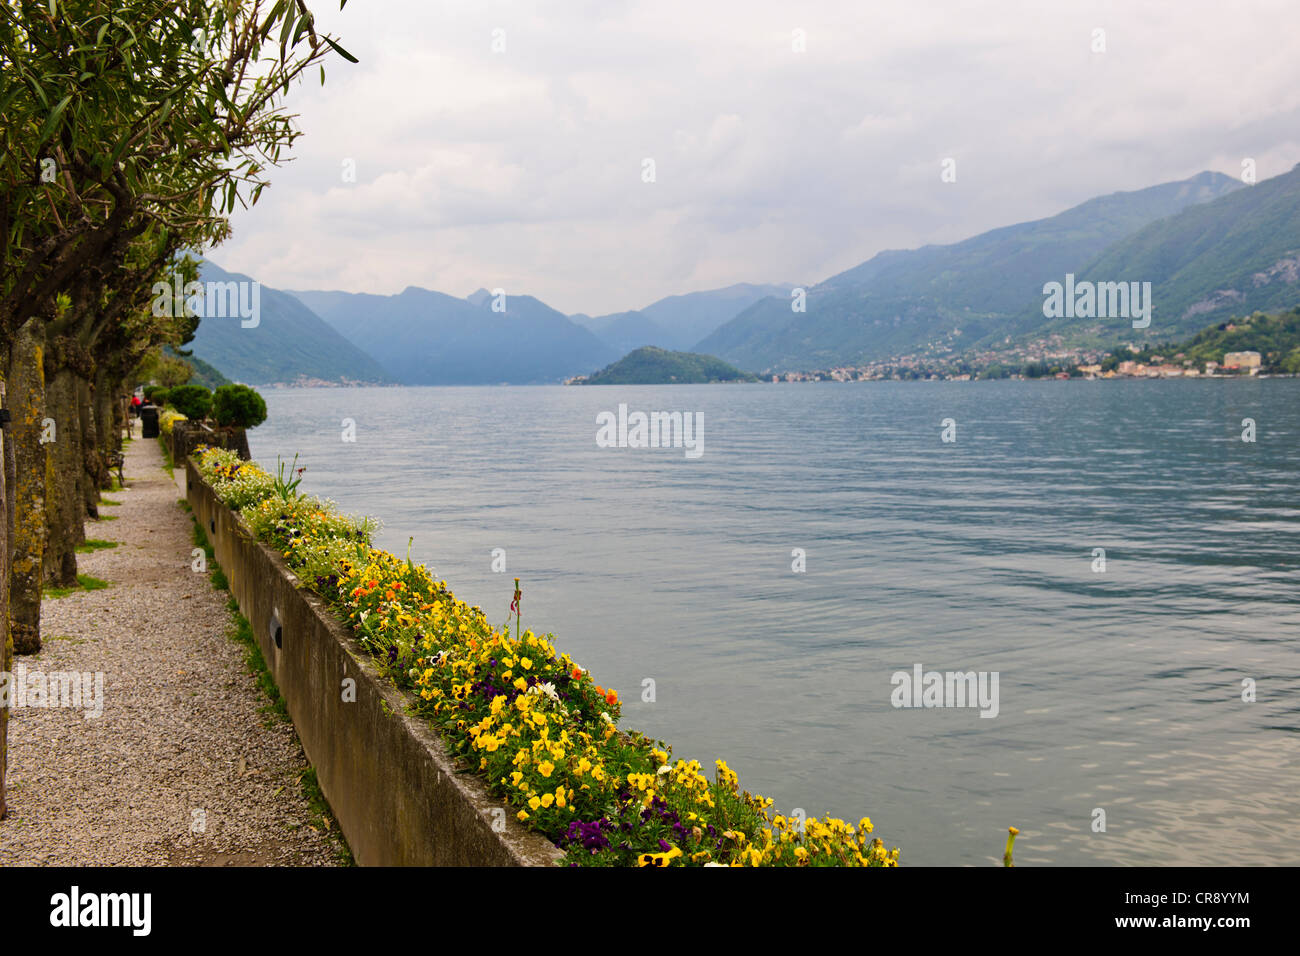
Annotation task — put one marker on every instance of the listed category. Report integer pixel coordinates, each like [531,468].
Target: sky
[505,145]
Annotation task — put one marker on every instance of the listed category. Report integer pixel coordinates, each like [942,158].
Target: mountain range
[422,337]
[678,321]
[1210,246]
[1232,257]
[288,342]
[947,297]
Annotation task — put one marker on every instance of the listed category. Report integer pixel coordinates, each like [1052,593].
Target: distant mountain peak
[479,297]
[944,299]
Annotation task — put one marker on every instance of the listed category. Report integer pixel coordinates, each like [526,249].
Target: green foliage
[202,373]
[238,406]
[84,583]
[656,366]
[160,396]
[95,544]
[170,372]
[192,401]
[286,486]
[1211,262]
[322,816]
[1275,337]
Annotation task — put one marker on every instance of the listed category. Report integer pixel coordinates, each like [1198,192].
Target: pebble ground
[187,765]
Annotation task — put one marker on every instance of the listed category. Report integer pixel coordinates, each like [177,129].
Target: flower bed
[535,724]
[167,419]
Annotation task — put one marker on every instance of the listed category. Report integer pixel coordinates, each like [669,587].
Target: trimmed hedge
[192,401]
[238,406]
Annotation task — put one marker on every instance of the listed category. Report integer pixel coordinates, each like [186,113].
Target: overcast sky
[523,169]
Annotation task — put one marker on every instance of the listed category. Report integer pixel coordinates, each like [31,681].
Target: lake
[1119,690]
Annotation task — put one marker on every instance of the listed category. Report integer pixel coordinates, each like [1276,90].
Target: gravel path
[186,766]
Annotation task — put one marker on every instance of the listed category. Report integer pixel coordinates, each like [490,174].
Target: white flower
[606,718]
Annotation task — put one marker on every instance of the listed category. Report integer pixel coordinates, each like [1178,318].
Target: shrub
[149,390]
[167,419]
[160,396]
[238,406]
[192,401]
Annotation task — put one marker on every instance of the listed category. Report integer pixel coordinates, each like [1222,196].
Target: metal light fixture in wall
[275,629]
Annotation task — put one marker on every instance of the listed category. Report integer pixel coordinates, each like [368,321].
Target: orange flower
[577,673]
[611,698]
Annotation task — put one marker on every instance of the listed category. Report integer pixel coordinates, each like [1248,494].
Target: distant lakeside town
[1255,345]
[1095,366]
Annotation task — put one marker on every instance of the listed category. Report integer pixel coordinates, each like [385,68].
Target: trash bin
[149,419]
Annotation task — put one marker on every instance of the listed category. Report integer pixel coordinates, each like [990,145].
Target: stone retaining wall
[399,797]
[186,436]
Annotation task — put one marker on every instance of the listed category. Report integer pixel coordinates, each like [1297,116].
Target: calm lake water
[1119,690]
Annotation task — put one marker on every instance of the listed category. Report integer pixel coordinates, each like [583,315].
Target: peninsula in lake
[655,366]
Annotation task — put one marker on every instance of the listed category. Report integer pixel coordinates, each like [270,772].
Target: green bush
[238,406]
[160,396]
[149,390]
[192,401]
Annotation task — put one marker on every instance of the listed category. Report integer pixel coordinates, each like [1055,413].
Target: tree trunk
[94,469]
[64,503]
[106,433]
[121,420]
[26,385]
[6,641]
[237,441]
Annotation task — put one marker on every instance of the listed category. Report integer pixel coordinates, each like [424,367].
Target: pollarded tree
[119,115]
[137,121]
[120,119]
